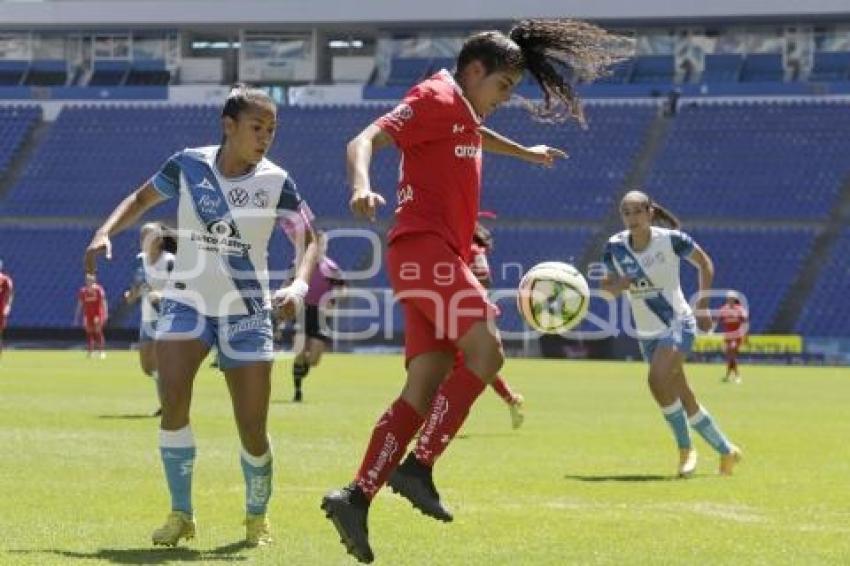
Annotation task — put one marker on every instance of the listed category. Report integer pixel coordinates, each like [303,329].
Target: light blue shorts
[239,339]
[680,336]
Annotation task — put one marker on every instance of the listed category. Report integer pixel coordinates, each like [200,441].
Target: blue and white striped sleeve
[167,179]
[682,243]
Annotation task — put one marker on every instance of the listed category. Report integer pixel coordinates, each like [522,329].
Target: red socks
[389,441]
[501,387]
[448,412]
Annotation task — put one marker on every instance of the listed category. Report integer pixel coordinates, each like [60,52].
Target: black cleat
[298,397]
[413,481]
[348,508]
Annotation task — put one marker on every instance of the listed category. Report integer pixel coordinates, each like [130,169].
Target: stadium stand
[822,315]
[15,124]
[715,158]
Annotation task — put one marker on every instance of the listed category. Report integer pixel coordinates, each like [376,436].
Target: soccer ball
[553,297]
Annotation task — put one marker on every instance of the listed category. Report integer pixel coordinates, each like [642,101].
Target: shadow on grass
[128,417]
[226,553]
[624,478]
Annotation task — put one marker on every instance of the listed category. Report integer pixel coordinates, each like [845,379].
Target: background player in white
[153,268]
[230,198]
[643,261]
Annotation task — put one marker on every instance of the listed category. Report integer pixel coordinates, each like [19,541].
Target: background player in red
[91,302]
[438,130]
[733,318]
[7,295]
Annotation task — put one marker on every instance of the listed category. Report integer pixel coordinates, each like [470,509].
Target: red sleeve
[421,116]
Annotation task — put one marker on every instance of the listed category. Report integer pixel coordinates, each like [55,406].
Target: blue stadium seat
[722,68]
[15,123]
[763,67]
[715,159]
[656,69]
[830,66]
[823,315]
[12,72]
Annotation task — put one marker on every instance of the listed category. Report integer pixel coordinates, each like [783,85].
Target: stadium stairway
[656,133]
[800,290]
[9,177]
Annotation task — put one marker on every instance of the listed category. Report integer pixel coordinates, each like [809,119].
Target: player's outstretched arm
[705,266]
[125,214]
[538,154]
[359,151]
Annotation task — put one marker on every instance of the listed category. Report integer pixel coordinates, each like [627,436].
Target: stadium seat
[654,69]
[830,66]
[820,315]
[722,68]
[763,67]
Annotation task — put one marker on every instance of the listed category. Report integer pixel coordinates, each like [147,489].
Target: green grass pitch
[587,480]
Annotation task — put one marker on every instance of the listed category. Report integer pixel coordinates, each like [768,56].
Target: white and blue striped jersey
[152,277]
[223,232]
[655,294]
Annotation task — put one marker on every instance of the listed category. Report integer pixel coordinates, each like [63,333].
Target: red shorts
[441,298]
[2,323]
[92,322]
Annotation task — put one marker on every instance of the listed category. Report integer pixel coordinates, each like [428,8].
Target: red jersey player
[91,301]
[438,130]
[7,295]
[733,318]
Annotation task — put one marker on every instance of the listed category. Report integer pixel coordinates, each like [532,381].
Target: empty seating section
[148,73]
[46,264]
[763,67]
[584,186]
[15,124]
[47,72]
[774,161]
[831,66]
[92,157]
[109,73]
[12,72]
[722,68]
[712,166]
[826,313]
[654,69]
[759,263]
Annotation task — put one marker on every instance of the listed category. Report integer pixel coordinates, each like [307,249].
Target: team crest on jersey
[261,198]
[238,196]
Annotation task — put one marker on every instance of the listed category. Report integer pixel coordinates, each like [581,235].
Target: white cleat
[687,462]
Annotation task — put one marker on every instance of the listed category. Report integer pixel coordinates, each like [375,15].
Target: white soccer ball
[553,297]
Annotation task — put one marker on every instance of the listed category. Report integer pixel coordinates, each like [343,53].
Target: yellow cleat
[257,532]
[687,462]
[730,460]
[517,417]
[178,525]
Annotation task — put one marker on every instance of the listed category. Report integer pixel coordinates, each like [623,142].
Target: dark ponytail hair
[561,53]
[557,53]
[663,217]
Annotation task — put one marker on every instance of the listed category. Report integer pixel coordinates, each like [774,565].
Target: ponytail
[663,217]
[561,53]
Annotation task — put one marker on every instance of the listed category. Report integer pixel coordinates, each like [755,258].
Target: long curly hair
[557,53]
